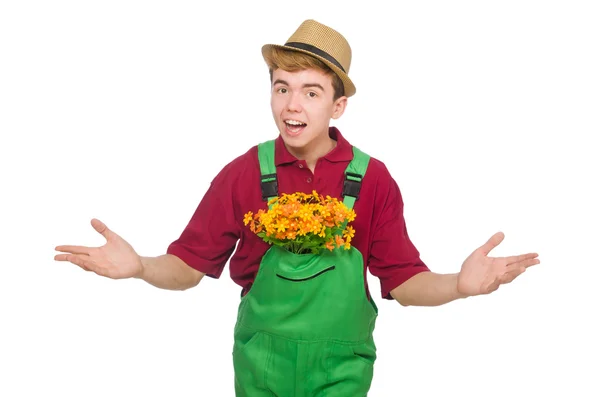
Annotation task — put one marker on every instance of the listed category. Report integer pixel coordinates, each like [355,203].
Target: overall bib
[305,328]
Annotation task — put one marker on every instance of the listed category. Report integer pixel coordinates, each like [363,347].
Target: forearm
[428,289]
[169,272]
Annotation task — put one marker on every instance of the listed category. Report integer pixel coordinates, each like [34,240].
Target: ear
[339,106]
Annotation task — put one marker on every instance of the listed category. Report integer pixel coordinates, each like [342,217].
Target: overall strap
[355,172]
[268,171]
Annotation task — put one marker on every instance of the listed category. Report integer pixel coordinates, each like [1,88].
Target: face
[302,104]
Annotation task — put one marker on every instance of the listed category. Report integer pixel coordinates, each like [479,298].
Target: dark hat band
[316,51]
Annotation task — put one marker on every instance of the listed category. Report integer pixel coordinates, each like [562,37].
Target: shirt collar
[341,152]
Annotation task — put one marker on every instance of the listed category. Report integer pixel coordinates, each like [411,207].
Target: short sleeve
[210,237]
[393,257]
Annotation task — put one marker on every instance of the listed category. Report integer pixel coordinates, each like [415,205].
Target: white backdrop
[484,112]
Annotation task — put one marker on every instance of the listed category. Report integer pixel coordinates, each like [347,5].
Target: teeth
[293,122]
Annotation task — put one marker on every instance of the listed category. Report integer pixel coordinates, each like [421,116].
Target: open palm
[115,259]
[481,274]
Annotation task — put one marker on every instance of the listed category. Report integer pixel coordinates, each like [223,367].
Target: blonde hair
[293,61]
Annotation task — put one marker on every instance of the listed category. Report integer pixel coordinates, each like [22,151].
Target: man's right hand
[116,259]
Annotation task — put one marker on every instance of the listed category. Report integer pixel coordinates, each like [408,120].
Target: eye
[282,90]
[312,94]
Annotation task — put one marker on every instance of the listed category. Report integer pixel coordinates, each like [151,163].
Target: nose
[293,104]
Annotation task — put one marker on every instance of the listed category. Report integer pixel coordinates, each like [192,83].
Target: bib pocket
[305,277]
[302,267]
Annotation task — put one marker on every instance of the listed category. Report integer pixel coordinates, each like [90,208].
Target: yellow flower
[270,229]
[349,232]
[351,215]
[315,228]
[282,225]
[247,217]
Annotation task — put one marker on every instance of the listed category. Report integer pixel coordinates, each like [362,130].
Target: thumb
[492,243]
[101,228]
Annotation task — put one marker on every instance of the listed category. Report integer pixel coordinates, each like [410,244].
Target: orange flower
[329,245]
[280,236]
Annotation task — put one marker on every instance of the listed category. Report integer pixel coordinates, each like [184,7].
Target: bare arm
[169,272]
[117,260]
[428,289]
[479,274]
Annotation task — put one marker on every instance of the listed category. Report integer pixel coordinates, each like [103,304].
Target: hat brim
[349,88]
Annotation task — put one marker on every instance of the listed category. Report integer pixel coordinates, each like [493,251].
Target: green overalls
[305,328]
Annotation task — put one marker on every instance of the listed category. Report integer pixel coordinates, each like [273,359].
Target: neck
[313,151]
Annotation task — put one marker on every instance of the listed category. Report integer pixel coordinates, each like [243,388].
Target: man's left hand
[481,274]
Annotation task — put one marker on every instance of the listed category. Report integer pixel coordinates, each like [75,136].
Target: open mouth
[294,127]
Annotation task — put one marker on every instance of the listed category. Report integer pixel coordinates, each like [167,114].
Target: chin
[296,141]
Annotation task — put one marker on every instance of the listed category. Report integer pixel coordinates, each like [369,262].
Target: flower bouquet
[304,223]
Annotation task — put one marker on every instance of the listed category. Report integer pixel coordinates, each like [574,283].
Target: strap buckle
[268,185]
[352,185]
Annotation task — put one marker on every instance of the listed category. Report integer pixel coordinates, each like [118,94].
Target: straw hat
[324,43]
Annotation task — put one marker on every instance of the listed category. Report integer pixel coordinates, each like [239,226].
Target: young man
[305,324]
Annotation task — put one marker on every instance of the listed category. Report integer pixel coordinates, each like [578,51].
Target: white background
[484,112]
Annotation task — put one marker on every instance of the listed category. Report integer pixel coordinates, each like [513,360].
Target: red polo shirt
[210,238]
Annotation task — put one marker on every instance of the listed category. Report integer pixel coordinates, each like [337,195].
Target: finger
[522,264]
[84,262]
[74,249]
[80,260]
[491,287]
[100,227]
[519,258]
[511,275]
[492,243]
[61,257]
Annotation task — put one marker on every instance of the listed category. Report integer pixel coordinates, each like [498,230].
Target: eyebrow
[309,85]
